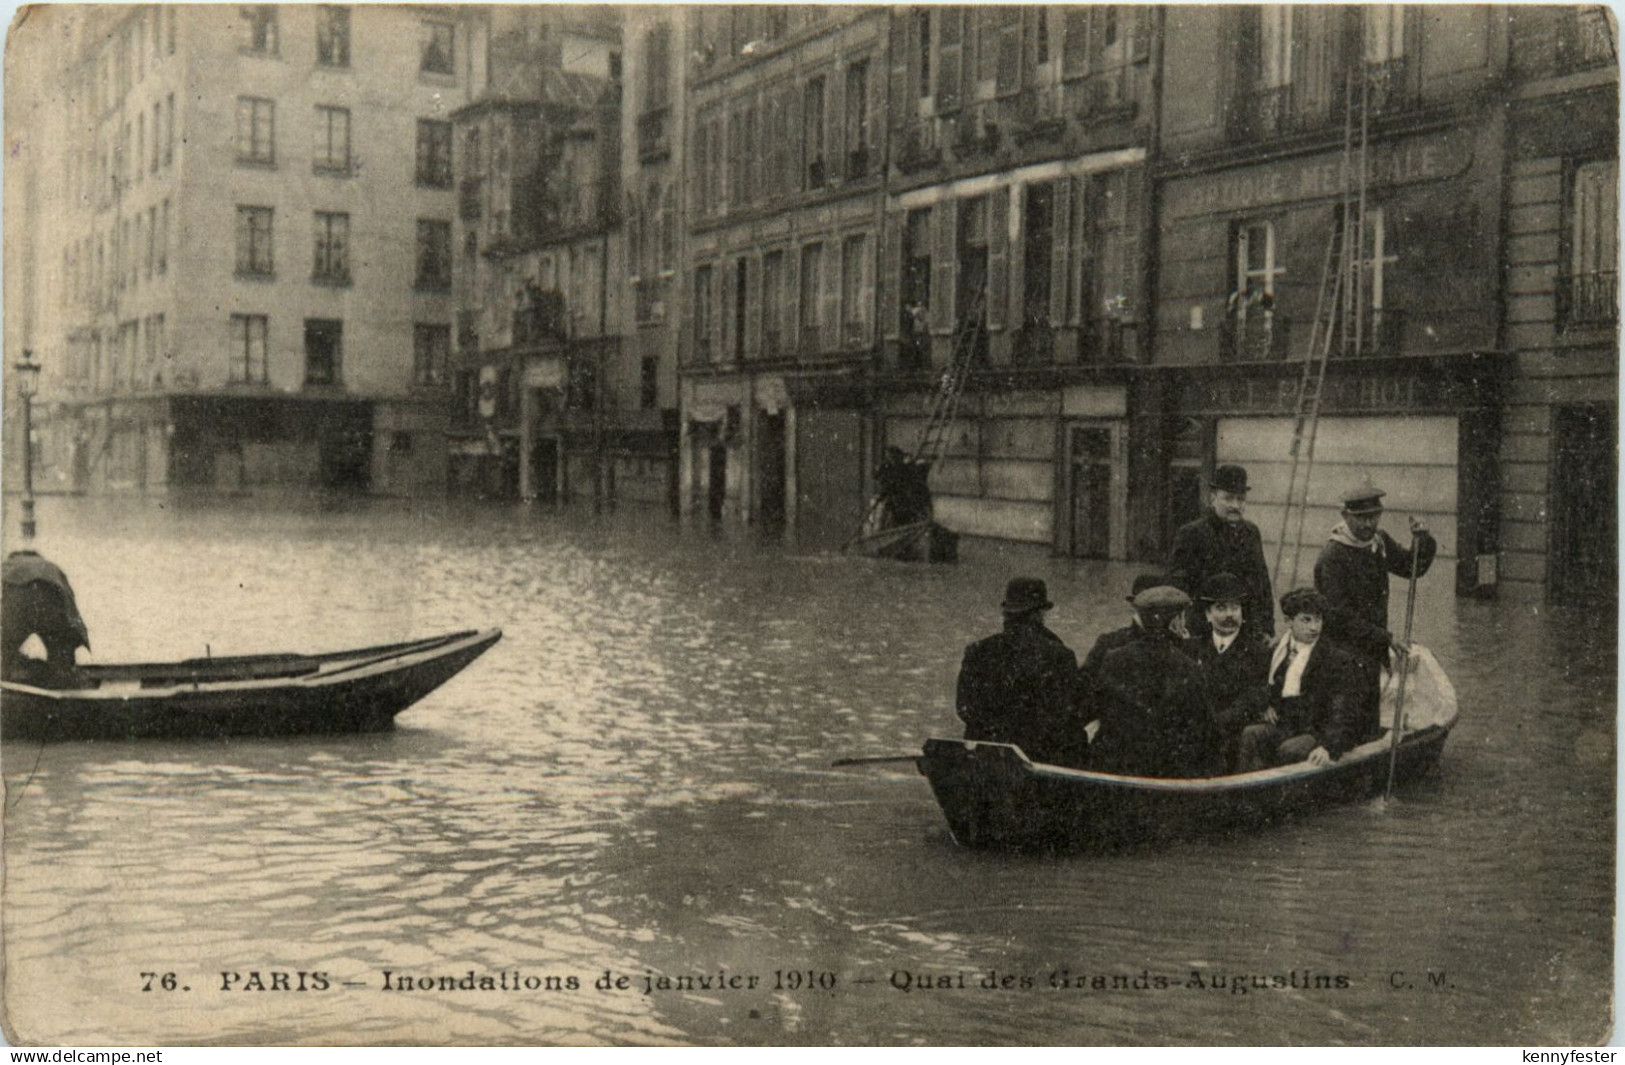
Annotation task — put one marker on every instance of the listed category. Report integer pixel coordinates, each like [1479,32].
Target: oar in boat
[1404,671]
[885,759]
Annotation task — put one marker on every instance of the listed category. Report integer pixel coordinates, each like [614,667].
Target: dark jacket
[38,601]
[1235,683]
[1355,584]
[1154,720]
[1019,686]
[1212,545]
[1331,704]
[1089,672]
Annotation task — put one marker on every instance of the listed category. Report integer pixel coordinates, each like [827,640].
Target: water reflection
[635,782]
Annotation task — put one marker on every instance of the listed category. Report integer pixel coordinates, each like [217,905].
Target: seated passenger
[1111,641]
[1018,686]
[1316,695]
[1234,668]
[1154,719]
[37,601]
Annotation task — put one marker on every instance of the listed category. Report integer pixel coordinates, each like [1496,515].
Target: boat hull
[993,796]
[268,695]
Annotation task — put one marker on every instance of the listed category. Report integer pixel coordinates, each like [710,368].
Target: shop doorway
[1583,564]
[1090,491]
[770,469]
[717,482]
[544,469]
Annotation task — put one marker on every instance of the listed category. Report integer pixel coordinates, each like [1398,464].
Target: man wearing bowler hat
[1019,686]
[1234,670]
[1223,541]
[1352,573]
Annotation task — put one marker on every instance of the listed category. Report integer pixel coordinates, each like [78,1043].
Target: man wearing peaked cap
[1224,541]
[1352,573]
[1111,641]
[1019,686]
[1153,716]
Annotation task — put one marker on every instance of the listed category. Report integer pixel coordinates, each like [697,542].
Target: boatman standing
[1019,686]
[1224,541]
[1352,573]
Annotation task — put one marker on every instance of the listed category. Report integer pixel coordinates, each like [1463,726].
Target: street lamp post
[27,385]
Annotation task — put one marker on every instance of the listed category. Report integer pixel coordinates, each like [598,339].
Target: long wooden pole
[1404,670]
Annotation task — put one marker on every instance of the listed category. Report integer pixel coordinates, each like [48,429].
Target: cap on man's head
[1222,588]
[1144,581]
[1023,594]
[1232,479]
[1163,599]
[1303,601]
[1363,498]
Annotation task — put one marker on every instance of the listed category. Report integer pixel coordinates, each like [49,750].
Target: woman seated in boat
[38,603]
[1315,711]
[1154,716]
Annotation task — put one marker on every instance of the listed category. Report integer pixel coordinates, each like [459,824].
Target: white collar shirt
[1292,685]
[1222,643]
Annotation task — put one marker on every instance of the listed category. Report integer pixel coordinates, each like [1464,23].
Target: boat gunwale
[1232,782]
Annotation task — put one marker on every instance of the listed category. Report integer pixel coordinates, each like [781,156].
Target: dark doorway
[973,258]
[544,469]
[717,482]
[1091,502]
[346,447]
[770,469]
[1583,565]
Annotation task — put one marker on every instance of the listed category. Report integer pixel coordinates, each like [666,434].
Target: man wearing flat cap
[1233,669]
[1107,642]
[1352,573]
[1224,541]
[1019,686]
[1154,721]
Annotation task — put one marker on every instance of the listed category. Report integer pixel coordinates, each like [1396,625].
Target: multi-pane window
[1590,282]
[333,36]
[435,49]
[256,130]
[922,54]
[332,146]
[774,300]
[812,131]
[324,351]
[857,292]
[163,238]
[1384,32]
[247,349]
[169,130]
[157,140]
[257,28]
[434,254]
[434,154]
[657,67]
[152,240]
[1252,303]
[812,297]
[332,260]
[431,353]
[998,67]
[254,241]
[1275,46]
[857,119]
[649,382]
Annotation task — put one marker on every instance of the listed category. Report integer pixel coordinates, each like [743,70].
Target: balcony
[649,299]
[654,138]
[920,148]
[1588,299]
[1262,113]
[1257,338]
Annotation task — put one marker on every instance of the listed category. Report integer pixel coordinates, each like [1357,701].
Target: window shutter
[753,301]
[998,255]
[1075,45]
[1084,228]
[866,291]
[950,59]
[790,315]
[891,275]
[795,166]
[945,217]
[835,125]
[1060,244]
[899,107]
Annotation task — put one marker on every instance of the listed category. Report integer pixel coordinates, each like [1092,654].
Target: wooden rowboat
[993,796]
[252,695]
[920,541]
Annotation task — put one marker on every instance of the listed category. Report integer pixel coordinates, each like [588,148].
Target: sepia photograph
[757,525]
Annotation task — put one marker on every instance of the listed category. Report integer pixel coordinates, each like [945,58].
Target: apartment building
[242,243]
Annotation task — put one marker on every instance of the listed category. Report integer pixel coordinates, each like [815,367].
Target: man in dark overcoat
[1019,686]
[1154,721]
[1234,670]
[1108,642]
[1224,541]
[1352,573]
[36,600]
[1315,712]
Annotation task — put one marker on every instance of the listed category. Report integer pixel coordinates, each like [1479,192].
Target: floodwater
[635,783]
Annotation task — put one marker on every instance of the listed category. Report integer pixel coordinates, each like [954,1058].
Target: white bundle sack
[1430,698]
